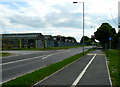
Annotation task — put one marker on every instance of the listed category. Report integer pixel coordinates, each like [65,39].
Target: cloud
[35,22]
[48,16]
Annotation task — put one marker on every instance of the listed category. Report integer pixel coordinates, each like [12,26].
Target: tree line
[106,31]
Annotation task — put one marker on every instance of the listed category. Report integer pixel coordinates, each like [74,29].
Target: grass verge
[3,54]
[113,58]
[34,77]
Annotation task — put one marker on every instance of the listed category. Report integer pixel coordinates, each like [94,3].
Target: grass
[3,54]
[31,78]
[48,48]
[113,57]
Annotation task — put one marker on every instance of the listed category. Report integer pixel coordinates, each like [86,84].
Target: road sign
[110,38]
[110,41]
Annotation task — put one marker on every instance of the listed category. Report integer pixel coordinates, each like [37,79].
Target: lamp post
[83,22]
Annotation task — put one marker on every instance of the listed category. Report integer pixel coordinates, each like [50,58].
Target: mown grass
[3,54]
[113,57]
[31,78]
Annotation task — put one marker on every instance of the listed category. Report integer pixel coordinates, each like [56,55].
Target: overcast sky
[56,17]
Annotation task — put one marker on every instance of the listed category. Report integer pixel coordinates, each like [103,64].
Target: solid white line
[108,72]
[49,55]
[43,57]
[82,73]
[22,74]
[21,60]
[53,54]
[55,72]
[38,69]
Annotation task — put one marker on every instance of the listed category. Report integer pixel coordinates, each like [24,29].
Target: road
[90,70]
[18,65]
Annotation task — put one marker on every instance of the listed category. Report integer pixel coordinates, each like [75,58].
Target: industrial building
[35,40]
[62,41]
[49,41]
[26,40]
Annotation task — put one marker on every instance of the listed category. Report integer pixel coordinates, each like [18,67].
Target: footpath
[89,70]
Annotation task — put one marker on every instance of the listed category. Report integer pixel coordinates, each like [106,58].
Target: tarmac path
[90,70]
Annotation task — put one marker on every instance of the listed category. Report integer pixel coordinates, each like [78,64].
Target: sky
[56,17]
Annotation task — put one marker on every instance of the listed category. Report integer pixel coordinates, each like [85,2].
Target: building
[61,41]
[26,40]
[35,40]
[49,41]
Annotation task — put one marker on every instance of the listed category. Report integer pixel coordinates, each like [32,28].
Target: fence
[34,43]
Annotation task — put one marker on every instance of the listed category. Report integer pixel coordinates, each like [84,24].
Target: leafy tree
[104,32]
[86,38]
[72,38]
[115,41]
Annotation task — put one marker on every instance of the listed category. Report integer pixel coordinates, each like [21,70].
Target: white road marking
[82,73]
[21,60]
[55,72]
[22,74]
[53,54]
[35,69]
[49,55]
[43,57]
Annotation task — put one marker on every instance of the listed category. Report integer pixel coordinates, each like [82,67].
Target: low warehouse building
[26,40]
[35,40]
[61,41]
[49,42]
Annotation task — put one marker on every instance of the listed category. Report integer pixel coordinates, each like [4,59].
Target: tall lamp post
[83,22]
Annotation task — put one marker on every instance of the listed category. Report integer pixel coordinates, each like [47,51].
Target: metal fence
[34,43]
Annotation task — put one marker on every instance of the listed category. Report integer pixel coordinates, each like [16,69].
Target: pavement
[15,66]
[90,70]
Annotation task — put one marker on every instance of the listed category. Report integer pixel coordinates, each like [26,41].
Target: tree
[86,38]
[104,32]
[116,43]
[72,38]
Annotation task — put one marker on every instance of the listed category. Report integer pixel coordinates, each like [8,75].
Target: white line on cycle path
[83,72]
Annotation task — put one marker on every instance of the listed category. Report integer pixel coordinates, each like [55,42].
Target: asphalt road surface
[90,70]
[15,66]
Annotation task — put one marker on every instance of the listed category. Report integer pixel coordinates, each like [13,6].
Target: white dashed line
[21,60]
[43,57]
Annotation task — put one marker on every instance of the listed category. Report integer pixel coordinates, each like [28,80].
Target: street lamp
[83,22]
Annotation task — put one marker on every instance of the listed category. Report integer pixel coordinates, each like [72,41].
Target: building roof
[24,36]
[48,37]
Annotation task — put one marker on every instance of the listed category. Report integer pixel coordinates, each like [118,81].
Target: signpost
[110,41]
